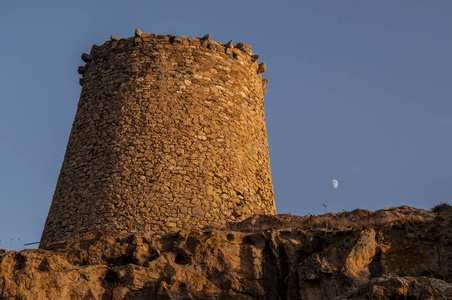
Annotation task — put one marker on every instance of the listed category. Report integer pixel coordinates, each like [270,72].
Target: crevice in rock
[109,282]
[376,268]
[21,261]
[273,275]
[182,257]
[44,265]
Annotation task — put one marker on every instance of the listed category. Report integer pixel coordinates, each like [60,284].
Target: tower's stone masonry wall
[169,133]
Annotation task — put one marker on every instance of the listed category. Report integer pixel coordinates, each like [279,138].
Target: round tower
[169,133]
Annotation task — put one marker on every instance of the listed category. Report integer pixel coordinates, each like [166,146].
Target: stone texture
[163,123]
[396,253]
[245,48]
[86,57]
[81,69]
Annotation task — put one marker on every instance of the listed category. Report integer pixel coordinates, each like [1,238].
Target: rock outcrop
[396,253]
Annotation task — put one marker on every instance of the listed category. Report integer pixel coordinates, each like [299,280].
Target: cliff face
[397,253]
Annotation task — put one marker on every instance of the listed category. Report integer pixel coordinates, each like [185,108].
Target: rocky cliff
[395,253]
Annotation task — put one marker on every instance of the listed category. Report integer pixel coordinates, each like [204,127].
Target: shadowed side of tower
[169,133]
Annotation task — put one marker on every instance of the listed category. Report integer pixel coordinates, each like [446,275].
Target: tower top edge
[143,38]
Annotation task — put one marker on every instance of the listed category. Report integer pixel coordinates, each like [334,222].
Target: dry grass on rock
[343,221]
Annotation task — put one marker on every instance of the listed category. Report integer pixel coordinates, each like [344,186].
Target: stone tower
[169,133]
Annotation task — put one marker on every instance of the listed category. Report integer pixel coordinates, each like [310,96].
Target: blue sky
[359,91]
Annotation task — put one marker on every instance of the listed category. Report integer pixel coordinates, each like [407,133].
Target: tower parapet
[169,133]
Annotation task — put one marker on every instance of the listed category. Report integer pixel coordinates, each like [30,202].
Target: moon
[335,183]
